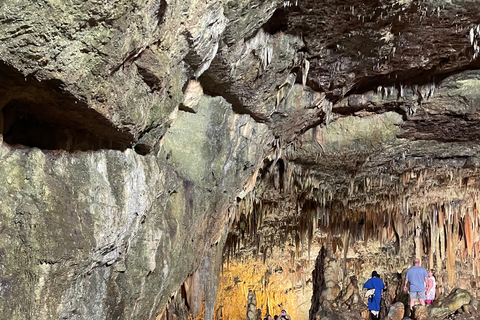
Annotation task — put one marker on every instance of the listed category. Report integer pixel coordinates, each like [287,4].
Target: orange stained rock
[275,290]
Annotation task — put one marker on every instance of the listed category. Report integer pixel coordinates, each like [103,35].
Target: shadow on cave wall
[41,114]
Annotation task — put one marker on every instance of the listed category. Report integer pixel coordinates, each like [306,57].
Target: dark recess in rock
[161,12]
[277,23]
[40,114]
[142,149]
[416,76]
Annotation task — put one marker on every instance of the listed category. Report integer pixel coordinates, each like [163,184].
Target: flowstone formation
[164,159]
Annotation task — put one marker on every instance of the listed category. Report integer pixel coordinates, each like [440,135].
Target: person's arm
[405,287]
[367,285]
[429,285]
[426,280]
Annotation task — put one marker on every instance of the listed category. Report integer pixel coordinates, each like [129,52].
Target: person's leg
[414,295]
[412,303]
[421,297]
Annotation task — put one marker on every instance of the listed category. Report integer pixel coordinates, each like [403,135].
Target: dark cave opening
[26,124]
[277,23]
[43,115]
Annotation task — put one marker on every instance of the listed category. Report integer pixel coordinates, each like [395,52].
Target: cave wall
[112,234]
[111,195]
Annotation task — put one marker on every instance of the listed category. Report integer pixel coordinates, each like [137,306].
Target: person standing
[431,286]
[374,301]
[417,275]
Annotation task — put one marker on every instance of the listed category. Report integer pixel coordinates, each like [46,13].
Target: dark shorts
[417,295]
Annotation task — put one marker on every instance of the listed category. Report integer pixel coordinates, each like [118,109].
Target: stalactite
[394,212]
[441,231]
[346,240]
[418,235]
[327,217]
[451,241]
[468,233]
[405,208]
[476,224]
[310,237]
[297,244]
[434,238]
[398,224]
[450,256]
[477,259]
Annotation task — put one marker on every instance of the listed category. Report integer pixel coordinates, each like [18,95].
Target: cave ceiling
[314,72]
[375,122]
[374,104]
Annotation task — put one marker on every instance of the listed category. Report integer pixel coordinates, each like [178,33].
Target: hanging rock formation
[144,143]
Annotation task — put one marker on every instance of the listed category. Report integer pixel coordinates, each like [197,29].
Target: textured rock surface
[140,136]
[111,234]
[451,303]
[396,311]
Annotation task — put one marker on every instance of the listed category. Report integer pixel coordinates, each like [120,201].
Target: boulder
[396,311]
[451,303]
[467,308]
[331,293]
[421,313]
[366,314]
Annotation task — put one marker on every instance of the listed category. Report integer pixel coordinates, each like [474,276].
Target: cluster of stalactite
[452,232]
[444,226]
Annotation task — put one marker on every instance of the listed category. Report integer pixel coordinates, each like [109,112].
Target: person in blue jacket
[374,301]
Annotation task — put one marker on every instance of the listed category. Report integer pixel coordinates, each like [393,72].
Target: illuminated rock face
[146,142]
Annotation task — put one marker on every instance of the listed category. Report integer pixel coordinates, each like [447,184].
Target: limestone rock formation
[252,306]
[451,303]
[396,311]
[421,313]
[146,142]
